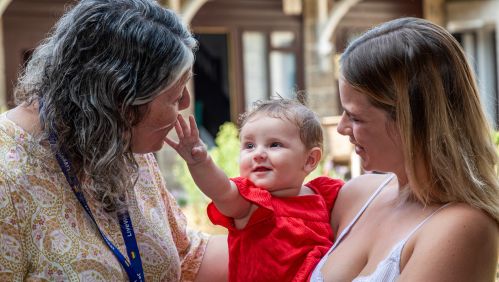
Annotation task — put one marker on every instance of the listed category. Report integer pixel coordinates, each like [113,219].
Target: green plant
[225,154]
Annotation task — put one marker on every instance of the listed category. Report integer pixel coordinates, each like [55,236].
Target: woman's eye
[353,119]
[275,144]
[350,116]
[180,99]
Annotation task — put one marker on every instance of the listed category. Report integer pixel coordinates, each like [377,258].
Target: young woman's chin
[367,165]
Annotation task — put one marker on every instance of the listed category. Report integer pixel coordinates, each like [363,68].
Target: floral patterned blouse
[46,235]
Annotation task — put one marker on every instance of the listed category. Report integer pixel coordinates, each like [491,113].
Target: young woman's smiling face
[148,135]
[371,130]
[272,154]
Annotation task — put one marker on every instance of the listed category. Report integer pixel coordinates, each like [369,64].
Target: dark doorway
[211,85]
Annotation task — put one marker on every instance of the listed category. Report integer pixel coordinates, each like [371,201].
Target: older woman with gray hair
[81,195]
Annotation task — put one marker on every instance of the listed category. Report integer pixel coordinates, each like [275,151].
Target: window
[480,45]
[270,60]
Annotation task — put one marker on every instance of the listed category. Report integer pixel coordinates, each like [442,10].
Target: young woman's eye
[353,119]
[275,144]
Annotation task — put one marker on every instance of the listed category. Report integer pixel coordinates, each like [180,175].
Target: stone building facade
[252,49]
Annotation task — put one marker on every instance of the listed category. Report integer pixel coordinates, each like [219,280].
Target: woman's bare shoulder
[459,217]
[459,222]
[353,195]
[360,188]
[461,241]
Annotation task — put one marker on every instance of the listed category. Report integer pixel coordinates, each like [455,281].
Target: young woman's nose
[344,127]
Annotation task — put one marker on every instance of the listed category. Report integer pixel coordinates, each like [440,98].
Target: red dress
[285,237]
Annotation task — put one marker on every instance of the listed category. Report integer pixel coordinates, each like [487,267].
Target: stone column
[434,11]
[320,77]
[320,81]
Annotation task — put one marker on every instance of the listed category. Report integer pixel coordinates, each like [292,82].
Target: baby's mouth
[261,169]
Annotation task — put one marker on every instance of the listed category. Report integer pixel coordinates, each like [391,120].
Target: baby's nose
[260,154]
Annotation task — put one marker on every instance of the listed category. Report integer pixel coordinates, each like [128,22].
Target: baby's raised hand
[189,146]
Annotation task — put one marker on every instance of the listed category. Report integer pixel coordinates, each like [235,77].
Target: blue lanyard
[134,267]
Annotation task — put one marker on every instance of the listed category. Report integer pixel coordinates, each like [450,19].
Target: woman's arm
[215,261]
[459,244]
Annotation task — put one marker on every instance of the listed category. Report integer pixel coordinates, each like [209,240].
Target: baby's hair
[294,110]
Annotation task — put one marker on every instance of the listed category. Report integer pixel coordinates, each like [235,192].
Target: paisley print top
[46,235]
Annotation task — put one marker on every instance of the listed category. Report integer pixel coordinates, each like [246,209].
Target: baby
[279,228]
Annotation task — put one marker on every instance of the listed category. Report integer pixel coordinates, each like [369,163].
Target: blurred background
[253,49]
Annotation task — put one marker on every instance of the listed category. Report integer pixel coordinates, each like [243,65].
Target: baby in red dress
[279,228]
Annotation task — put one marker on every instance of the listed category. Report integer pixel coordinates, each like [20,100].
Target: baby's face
[272,154]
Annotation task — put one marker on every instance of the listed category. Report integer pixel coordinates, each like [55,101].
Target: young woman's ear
[313,159]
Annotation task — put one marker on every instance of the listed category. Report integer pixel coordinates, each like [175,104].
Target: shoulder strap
[423,222]
[361,211]
[317,274]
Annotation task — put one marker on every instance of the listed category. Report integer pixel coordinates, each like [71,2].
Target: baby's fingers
[183,126]
[194,127]
[170,142]
[178,129]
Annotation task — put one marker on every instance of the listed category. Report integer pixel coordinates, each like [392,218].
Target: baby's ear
[313,159]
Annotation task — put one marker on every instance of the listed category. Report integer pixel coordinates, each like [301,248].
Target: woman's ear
[313,159]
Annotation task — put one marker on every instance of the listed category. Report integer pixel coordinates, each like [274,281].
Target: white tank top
[388,269]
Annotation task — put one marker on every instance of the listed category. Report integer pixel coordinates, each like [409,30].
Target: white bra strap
[423,222]
[317,272]
[361,211]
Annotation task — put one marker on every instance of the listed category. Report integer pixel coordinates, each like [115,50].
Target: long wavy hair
[95,74]
[418,73]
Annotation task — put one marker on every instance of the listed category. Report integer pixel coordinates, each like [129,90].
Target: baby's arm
[207,176]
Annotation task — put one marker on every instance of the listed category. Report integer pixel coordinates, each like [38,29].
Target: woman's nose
[186,100]
[344,127]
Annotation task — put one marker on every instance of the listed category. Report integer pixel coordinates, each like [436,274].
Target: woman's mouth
[358,148]
[167,127]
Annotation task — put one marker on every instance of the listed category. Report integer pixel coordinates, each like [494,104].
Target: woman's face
[160,118]
[370,129]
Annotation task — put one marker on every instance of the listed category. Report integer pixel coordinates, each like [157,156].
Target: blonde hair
[294,110]
[417,72]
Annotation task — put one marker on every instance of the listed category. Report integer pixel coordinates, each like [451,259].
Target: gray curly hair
[95,74]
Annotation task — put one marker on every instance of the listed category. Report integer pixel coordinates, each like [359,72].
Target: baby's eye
[275,144]
[249,145]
